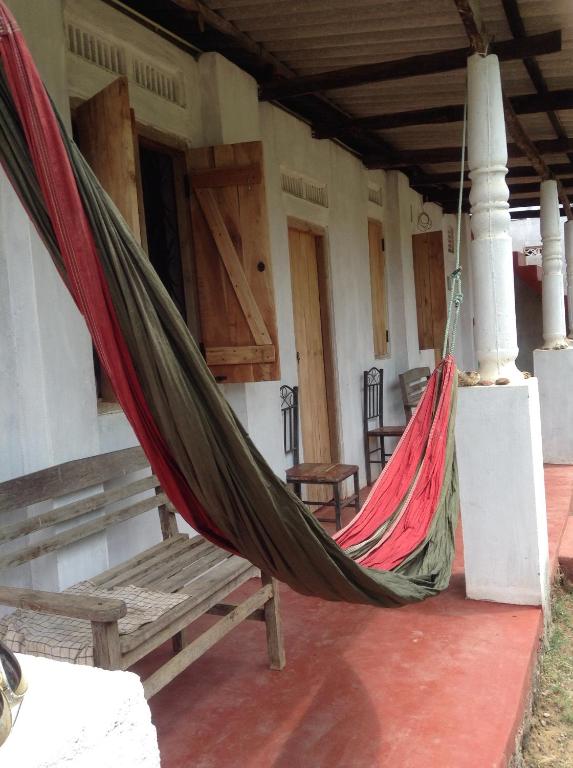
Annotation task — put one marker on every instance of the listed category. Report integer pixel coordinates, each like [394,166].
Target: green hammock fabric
[253,508]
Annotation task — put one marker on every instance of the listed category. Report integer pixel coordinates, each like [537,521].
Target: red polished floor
[440,684]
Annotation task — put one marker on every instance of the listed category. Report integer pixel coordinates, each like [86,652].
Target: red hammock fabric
[419,462]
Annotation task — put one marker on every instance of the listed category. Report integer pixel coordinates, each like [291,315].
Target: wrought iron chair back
[289,411]
[373,396]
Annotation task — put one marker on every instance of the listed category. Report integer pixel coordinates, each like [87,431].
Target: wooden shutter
[378,288]
[429,277]
[105,132]
[233,262]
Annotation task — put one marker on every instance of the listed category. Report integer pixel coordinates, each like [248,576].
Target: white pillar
[569,260]
[553,305]
[491,255]
[498,428]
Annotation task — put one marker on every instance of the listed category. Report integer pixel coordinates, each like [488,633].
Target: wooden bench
[201,574]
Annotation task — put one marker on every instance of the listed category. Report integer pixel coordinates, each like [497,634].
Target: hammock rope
[399,548]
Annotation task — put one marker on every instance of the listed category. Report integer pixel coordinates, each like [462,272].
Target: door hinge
[383,247]
[187,186]
[387,337]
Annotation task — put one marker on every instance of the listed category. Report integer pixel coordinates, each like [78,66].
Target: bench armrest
[90,607]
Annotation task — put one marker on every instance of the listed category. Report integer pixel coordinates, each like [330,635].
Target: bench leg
[275,642]
[107,653]
[382,451]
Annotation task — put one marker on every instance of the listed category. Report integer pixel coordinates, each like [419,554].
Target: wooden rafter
[479,43]
[452,154]
[514,172]
[424,64]
[523,105]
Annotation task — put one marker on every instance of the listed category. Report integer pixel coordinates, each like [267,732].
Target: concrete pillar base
[554,369]
[502,492]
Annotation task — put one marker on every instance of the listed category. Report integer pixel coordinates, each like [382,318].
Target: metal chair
[412,384]
[332,474]
[373,410]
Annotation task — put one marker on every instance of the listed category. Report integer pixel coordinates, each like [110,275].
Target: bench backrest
[124,499]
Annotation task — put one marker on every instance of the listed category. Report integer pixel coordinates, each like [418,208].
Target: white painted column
[490,250]
[553,305]
[498,428]
[569,263]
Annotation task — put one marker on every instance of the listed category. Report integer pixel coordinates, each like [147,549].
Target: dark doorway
[161,221]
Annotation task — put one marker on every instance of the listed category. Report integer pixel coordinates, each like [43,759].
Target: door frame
[327,325]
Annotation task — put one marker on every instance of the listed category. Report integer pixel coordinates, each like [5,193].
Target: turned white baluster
[552,288]
[569,260]
[491,251]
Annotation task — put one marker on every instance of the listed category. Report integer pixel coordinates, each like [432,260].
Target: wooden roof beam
[523,105]
[424,64]
[480,43]
[452,155]
[514,172]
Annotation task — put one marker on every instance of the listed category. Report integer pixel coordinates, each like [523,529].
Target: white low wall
[502,493]
[79,716]
[554,369]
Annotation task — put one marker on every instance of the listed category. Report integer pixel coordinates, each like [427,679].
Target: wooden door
[310,335]
[430,281]
[233,262]
[105,130]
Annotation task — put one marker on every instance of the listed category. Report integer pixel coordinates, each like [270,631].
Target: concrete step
[566,550]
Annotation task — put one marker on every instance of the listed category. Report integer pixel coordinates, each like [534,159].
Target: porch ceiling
[281,41]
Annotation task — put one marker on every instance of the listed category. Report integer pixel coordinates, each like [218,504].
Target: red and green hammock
[398,549]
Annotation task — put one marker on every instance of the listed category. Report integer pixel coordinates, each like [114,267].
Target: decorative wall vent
[164,84]
[533,252]
[95,49]
[124,60]
[302,186]
[375,194]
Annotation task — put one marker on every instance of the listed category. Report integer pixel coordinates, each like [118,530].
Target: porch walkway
[441,684]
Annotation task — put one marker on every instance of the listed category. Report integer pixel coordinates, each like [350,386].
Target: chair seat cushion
[396,431]
[320,473]
[66,639]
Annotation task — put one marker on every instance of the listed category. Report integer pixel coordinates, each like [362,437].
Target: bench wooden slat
[79,532]
[102,578]
[54,482]
[149,577]
[76,509]
[200,589]
[177,580]
[140,564]
[139,643]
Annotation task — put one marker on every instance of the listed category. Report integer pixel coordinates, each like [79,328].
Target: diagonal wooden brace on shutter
[230,259]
